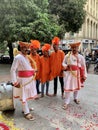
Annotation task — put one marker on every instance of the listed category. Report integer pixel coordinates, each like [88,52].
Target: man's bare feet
[65,106]
[76,101]
[42,95]
[53,95]
[50,95]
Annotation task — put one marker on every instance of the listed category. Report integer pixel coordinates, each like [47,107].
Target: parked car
[40,52]
[4,58]
[66,50]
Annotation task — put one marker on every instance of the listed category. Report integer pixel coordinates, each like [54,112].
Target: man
[45,69]
[56,68]
[22,76]
[34,46]
[75,73]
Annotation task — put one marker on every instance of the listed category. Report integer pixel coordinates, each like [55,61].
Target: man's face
[33,51]
[24,50]
[55,47]
[46,53]
[74,49]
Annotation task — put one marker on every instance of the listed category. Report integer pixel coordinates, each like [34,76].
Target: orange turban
[46,47]
[35,44]
[56,40]
[23,44]
[76,44]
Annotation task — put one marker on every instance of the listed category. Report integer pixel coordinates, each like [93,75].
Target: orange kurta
[36,58]
[56,68]
[45,69]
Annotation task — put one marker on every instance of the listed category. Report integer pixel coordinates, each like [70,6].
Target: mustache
[26,50]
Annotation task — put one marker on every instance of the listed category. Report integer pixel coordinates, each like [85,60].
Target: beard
[24,52]
[74,52]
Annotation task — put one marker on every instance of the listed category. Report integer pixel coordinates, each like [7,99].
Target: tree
[22,20]
[69,13]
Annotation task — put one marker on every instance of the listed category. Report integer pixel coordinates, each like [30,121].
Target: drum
[6,97]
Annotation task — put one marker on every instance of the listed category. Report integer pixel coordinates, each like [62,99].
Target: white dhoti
[72,76]
[67,96]
[27,90]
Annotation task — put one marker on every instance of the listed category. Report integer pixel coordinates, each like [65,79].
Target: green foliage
[44,28]
[39,19]
[3,47]
[69,13]
[24,20]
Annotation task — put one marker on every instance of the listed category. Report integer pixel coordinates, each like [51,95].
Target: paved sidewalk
[4,72]
[50,115]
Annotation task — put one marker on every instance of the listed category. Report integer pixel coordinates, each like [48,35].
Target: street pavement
[48,111]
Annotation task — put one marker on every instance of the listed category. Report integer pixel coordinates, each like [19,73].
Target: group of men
[28,71]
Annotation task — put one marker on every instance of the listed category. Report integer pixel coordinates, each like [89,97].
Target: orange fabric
[76,44]
[23,44]
[36,58]
[55,40]
[56,59]
[35,44]
[46,47]
[45,69]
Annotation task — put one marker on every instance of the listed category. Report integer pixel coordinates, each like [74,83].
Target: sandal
[42,95]
[29,117]
[37,98]
[65,106]
[31,109]
[76,101]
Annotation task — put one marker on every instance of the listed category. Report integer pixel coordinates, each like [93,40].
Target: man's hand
[35,71]
[84,78]
[66,68]
[17,85]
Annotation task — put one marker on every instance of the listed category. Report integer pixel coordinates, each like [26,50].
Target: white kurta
[72,78]
[21,63]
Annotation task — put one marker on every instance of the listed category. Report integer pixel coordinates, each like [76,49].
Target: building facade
[88,34]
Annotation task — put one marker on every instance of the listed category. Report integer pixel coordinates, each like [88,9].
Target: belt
[26,73]
[72,68]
